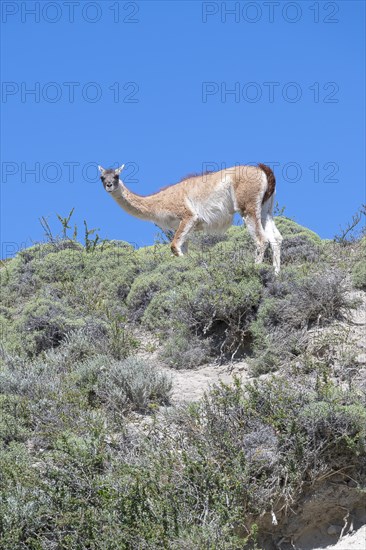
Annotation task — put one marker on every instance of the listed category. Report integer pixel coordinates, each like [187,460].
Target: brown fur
[185,178]
[195,174]
[270,179]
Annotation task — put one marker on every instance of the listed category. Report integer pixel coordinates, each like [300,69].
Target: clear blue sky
[148,83]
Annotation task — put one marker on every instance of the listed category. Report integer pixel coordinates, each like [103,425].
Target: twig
[329,474]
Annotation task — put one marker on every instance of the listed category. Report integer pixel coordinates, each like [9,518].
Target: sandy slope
[354,541]
[190,385]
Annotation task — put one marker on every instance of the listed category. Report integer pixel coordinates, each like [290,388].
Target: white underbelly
[220,226]
[168,222]
[215,212]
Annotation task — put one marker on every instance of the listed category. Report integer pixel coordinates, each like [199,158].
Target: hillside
[149,401]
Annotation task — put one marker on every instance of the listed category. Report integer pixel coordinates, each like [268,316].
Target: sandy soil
[353,541]
[190,385]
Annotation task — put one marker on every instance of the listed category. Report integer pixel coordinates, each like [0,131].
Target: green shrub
[19,281]
[142,291]
[288,228]
[299,243]
[56,289]
[165,277]
[111,270]
[292,304]
[196,478]
[133,384]
[300,248]
[44,322]
[14,419]
[182,350]
[216,302]
[41,250]
[359,269]
[359,275]
[79,345]
[242,451]
[59,266]
[126,385]
[62,498]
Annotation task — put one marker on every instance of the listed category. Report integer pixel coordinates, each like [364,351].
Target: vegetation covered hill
[88,458]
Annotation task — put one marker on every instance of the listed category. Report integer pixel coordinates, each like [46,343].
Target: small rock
[334,529]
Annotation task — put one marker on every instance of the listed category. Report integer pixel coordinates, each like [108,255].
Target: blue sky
[148,84]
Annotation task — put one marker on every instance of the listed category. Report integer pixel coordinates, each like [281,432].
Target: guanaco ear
[101,169]
[119,170]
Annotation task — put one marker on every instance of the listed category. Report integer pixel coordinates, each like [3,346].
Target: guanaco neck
[140,207]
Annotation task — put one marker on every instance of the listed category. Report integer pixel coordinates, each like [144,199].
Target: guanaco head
[110,178]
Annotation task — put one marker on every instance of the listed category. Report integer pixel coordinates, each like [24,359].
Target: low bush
[122,386]
[45,322]
[289,228]
[359,275]
[183,350]
[292,305]
[79,345]
[59,266]
[300,248]
[359,268]
[206,475]
[243,451]
[142,292]
[131,384]
[216,302]
[111,270]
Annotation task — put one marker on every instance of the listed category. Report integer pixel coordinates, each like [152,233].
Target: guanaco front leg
[181,235]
